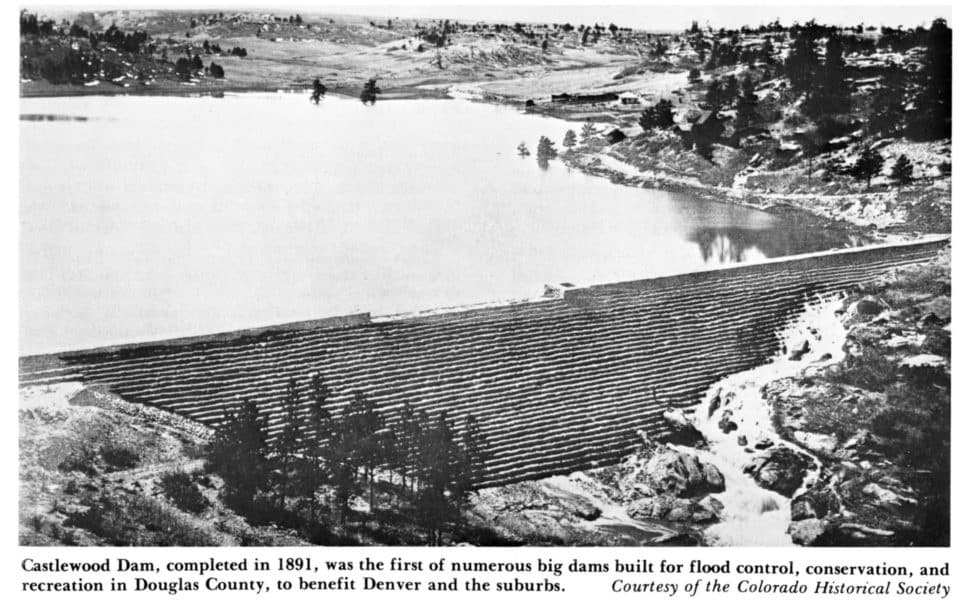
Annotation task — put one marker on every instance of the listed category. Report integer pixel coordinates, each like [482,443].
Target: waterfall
[753,515]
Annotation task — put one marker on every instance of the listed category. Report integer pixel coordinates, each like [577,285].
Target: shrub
[83,460]
[871,370]
[182,490]
[137,520]
[119,456]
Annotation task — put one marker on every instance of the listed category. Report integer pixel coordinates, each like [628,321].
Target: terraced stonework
[557,384]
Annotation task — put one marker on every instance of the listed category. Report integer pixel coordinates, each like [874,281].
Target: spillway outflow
[754,516]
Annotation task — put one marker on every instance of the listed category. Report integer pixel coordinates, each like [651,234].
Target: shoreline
[588,162]
[411,92]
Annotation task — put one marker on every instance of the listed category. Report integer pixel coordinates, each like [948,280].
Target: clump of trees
[30,25]
[827,93]
[546,151]
[186,68]
[658,116]
[320,460]
[368,95]
[721,92]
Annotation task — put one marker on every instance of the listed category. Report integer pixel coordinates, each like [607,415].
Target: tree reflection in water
[725,245]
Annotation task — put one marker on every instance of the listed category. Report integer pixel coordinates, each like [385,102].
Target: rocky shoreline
[813,210]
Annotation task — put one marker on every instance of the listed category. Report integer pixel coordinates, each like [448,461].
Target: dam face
[557,385]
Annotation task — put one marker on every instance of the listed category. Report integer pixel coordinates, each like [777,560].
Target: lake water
[164,216]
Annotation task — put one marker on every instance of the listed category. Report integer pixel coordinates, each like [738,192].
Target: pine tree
[440,454]
[933,101]
[802,63]
[569,139]
[546,149]
[472,463]
[902,171]
[588,130]
[747,104]
[887,111]
[767,52]
[342,465]
[369,446]
[288,443]
[313,470]
[238,453]
[407,436]
[421,452]
[344,452]
[715,96]
[828,93]
[319,90]
[868,165]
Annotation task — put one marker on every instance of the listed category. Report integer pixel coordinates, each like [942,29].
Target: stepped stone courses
[557,385]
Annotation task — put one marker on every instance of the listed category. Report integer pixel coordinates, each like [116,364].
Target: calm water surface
[164,216]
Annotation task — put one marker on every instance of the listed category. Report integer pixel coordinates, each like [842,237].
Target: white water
[754,516]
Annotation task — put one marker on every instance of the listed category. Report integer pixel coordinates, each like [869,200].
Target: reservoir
[155,217]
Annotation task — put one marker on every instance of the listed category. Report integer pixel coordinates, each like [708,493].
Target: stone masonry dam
[557,384]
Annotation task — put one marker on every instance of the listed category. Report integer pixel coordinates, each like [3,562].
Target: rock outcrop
[780,469]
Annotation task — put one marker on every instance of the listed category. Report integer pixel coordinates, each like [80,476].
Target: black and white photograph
[485,275]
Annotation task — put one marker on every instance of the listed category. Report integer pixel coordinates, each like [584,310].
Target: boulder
[869,306]
[802,509]
[780,469]
[798,352]
[939,308]
[818,442]
[726,423]
[673,509]
[681,429]
[648,507]
[886,498]
[806,532]
[860,440]
[714,478]
[714,404]
[711,505]
[584,510]
[682,511]
[638,490]
[682,474]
